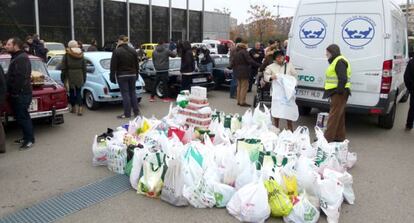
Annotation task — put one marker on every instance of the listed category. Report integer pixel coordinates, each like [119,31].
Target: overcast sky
[238,8]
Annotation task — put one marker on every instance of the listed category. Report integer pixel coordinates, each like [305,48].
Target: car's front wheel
[90,101]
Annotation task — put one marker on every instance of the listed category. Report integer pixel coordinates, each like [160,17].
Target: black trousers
[410,117]
[161,76]
[20,104]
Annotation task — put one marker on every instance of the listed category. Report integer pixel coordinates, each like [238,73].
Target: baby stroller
[263,94]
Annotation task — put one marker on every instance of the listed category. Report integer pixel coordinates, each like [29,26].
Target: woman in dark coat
[187,65]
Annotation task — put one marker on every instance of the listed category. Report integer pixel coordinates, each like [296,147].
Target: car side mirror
[90,69]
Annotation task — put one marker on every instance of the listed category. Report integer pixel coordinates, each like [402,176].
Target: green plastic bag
[252,146]
[128,168]
[279,202]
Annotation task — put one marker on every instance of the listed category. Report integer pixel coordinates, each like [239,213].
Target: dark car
[147,72]
[222,75]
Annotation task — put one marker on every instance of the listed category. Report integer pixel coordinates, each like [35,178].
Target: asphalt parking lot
[61,161]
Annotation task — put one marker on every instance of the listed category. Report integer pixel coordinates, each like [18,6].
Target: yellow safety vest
[331,81]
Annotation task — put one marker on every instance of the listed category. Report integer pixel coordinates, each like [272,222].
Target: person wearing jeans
[74,75]
[129,95]
[124,70]
[233,86]
[20,90]
[409,83]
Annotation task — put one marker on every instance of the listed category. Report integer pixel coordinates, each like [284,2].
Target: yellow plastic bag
[279,202]
[291,186]
[145,126]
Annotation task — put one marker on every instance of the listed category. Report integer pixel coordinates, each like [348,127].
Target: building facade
[216,25]
[410,18]
[104,20]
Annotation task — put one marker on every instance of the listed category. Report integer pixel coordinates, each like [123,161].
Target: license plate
[199,80]
[34,105]
[309,94]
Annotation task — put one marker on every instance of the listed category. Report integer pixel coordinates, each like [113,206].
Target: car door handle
[299,68]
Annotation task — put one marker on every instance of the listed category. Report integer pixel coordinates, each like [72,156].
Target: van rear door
[359,31]
[312,33]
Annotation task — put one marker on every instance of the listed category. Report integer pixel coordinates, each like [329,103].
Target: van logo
[306,78]
[358,31]
[312,32]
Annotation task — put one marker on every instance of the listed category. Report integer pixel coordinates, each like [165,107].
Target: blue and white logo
[312,32]
[358,31]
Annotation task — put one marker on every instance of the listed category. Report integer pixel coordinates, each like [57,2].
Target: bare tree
[262,22]
[223,10]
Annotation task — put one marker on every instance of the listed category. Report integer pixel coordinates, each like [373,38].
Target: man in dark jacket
[3,91]
[187,65]
[20,90]
[337,89]
[409,83]
[161,59]
[241,63]
[124,70]
[257,54]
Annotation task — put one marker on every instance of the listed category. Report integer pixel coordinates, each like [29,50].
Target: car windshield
[55,46]
[223,61]
[37,65]
[106,64]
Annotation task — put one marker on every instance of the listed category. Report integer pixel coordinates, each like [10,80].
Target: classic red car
[49,99]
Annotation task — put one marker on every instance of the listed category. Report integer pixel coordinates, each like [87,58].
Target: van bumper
[383,107]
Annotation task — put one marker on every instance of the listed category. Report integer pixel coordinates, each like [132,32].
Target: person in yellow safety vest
[337,89]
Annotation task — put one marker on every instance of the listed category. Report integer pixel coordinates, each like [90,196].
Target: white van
[372,34]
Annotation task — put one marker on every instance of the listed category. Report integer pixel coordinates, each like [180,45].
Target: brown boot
[74,109]
[80,111]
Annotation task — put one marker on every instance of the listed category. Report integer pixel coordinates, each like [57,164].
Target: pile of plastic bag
[241,163]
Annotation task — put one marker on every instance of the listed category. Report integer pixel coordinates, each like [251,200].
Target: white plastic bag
[247,119]
[201,194]
[303,211]
[303,144]
[250,203]
[172,190]
[152,172]
[137,162]
[117,157]
[331,198]
[307,177]
[346,179]
[222,194]
[262,117]
[100,152]
[283,98]
[247,176]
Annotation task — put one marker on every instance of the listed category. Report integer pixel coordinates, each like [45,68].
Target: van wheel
[90,102]
[305,111]
[405,97]
[387,121]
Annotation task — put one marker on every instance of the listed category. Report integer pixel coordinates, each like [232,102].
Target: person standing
[94,46]
[241,63]
[337,89]
[161,60]
[19,87]
[3,91]
[172,46]
[124,71]
[204,60]
[233,83]
[271,74]
[39,48]
[409,83]
[257,54]
[187,65]
[30,45]
[74,75]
